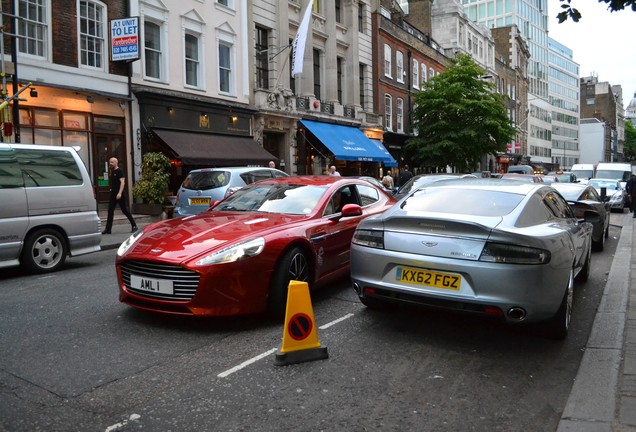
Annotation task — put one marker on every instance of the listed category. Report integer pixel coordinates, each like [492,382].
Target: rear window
[205,180]
[461,201]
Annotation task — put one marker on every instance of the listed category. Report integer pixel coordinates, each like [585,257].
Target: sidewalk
[121,227]
[603,397]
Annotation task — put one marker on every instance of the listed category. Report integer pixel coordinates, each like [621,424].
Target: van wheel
[44,251]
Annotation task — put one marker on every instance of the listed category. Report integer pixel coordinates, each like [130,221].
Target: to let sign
[124,39]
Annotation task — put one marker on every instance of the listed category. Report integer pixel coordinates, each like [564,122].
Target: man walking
[117,183]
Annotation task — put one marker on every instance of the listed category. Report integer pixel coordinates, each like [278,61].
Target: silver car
[614,191]
[505,249]
[204,186]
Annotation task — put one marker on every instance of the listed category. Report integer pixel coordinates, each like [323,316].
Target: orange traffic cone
[300,338]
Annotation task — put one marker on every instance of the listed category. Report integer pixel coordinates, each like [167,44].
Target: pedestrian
[630,187]
[333,172]
[272,164]
[387,180]
[405,175]
[117,195]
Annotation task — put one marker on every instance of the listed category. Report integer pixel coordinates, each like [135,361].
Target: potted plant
[152,186]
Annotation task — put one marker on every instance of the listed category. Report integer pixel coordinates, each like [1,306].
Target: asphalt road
[75,359]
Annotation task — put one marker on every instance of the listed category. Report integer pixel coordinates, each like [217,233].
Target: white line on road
[347,316]
[246,363]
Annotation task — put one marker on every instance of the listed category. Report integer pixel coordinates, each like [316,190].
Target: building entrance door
[106,146]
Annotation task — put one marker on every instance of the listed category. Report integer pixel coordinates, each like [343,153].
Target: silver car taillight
[369,238]
[513,254]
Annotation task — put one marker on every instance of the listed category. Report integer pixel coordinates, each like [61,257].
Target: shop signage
[124,39]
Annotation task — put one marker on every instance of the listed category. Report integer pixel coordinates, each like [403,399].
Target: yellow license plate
[428,278]
[205,201]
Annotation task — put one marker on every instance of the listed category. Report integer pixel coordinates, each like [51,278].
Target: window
[362,71]
[431,73]
[225,67]
[339,66]
[317,74]
[416,74]
[262,58]
[192,60]
[387,61]
[399,64]
[226,3]
[152,50]
[292,80]
[32,28]
[400,115]
[361,20]
[388,112]
[424,76]
[91,33]
[338,11]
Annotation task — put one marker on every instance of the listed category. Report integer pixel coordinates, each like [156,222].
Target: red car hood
[182,239]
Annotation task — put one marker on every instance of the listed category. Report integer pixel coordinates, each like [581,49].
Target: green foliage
[458,119]
[629,148]
[568,12]
[155,175]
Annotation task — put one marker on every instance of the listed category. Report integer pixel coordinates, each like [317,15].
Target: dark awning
[349,143]
[212,149]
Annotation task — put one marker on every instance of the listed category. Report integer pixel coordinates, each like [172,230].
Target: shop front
[347,147]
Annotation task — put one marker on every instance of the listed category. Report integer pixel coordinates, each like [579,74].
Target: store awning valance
[349,143]
[213,149]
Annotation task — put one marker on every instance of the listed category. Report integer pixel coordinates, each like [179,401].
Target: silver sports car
[484,246]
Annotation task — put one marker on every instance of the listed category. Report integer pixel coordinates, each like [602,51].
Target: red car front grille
[184,281]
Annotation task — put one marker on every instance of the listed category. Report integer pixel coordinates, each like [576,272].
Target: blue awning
[349,143]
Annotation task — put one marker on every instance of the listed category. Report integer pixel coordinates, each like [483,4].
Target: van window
[10,175]
[41,168]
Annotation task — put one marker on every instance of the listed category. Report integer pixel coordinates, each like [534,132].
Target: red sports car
[239,256]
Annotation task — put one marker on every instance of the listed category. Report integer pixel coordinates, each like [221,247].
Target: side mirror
[350,210]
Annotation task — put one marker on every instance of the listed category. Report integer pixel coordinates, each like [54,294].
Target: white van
[520,169]
[614,170]
[583,172]
[48,208]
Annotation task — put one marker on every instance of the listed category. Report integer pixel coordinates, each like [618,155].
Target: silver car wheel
[44,251]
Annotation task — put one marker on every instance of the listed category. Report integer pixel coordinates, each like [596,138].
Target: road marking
[273,350]
[246,363]
[347,316]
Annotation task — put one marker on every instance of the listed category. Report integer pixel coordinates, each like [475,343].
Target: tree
[630,142]
[155,175]
[458,119]
[572,13]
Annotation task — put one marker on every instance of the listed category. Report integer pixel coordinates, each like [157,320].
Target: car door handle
[318,237]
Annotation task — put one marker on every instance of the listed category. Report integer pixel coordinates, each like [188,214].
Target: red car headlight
[234,253]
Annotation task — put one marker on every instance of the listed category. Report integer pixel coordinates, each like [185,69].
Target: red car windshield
[293,199]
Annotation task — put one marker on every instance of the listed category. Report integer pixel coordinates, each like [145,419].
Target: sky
[602,42]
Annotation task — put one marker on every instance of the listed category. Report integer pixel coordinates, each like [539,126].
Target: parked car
[239,256]
[582,198]
[504,249]
[529,178]
[420,180]
[614,190]
[565,176]
[204,186]
[375,181]
[549,178]
[49,211]
[520,169]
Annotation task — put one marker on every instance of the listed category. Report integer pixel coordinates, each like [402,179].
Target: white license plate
[162,286]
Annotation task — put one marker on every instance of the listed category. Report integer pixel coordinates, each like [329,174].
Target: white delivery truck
[614,170]
[583,172]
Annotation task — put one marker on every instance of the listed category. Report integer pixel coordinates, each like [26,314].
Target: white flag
[298,46]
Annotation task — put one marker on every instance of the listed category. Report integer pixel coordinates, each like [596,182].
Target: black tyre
[372,303]
[44,251]
[559,325]
[599,245]
[294,265]
[584,274]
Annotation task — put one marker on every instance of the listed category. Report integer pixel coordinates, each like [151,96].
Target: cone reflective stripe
[300,337]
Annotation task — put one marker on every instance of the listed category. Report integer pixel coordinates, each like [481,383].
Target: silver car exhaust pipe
[357,287]
[516,313]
